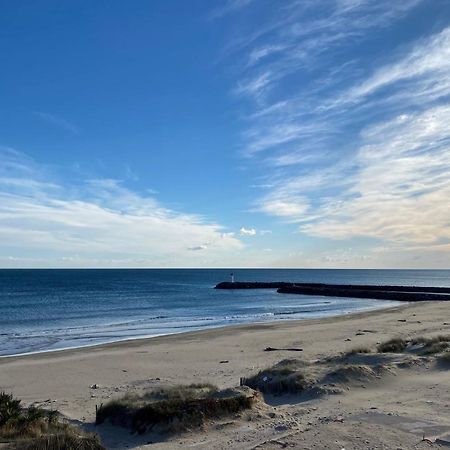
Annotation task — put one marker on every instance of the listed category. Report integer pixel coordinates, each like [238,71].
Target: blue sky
[225,133]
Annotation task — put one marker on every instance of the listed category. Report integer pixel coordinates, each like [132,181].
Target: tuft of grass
[357,351]
[286,377]
[10,408]
[429,345]
[395,345]
[65,438]
[430,340]
[432,348]
[38,429]
[181,392]
[432,345]
[177,408]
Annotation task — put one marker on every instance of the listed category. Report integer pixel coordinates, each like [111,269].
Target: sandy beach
[393,411]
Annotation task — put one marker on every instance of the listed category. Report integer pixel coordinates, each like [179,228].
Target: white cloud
[357,147]
[287,206]
[298,35]
[272,136]
[229,7]
[99,220]
[253,86]
[400,191]
[428,62]
[247,231]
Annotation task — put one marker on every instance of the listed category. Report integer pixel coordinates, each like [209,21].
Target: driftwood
[273,349]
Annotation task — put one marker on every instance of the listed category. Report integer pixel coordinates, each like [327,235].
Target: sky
[225,133]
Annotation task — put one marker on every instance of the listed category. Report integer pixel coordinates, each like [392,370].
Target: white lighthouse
[232,277]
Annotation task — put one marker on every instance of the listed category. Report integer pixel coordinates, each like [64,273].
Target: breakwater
[385,292]
[252,285]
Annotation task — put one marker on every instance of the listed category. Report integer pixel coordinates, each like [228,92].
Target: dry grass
[430,340]
[38,429]
[180,392]
[432,345]
[64,438]
[286,377]
[357,351]
[427,345]
[173,409]
[395,345]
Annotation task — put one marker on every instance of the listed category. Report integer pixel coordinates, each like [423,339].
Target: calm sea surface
[43,310]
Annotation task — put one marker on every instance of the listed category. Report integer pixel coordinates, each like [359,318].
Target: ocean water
[43,310]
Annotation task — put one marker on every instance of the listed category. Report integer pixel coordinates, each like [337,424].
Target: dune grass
[357,351]
[395,345]
[430,340]
[432,345]
[426,345]
[173,409]
[285,377]
[65,437]
[38,429]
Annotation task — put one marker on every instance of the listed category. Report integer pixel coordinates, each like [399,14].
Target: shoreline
[131,340]
[76,381]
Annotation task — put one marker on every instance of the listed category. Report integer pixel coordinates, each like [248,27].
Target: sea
[52,309]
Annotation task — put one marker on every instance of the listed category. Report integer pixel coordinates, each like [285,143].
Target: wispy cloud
[57,121]
[98,220]
[401,188]
[352,146]
[229,6]
[427,64]
[300,35]
[283,204]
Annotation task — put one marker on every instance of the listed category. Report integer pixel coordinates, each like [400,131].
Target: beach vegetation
[395,345]
[285,377]
[174,409]
[32,428]
[432,345]
[430,340]
[421,344]
[357,351]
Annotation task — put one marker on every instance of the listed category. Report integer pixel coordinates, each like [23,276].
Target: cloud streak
[399,192]
[353,145]
[57,121]
[98,220]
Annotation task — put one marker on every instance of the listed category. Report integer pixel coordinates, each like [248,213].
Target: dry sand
[393,411]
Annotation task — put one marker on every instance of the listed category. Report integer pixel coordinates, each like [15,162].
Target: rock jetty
[382,292]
